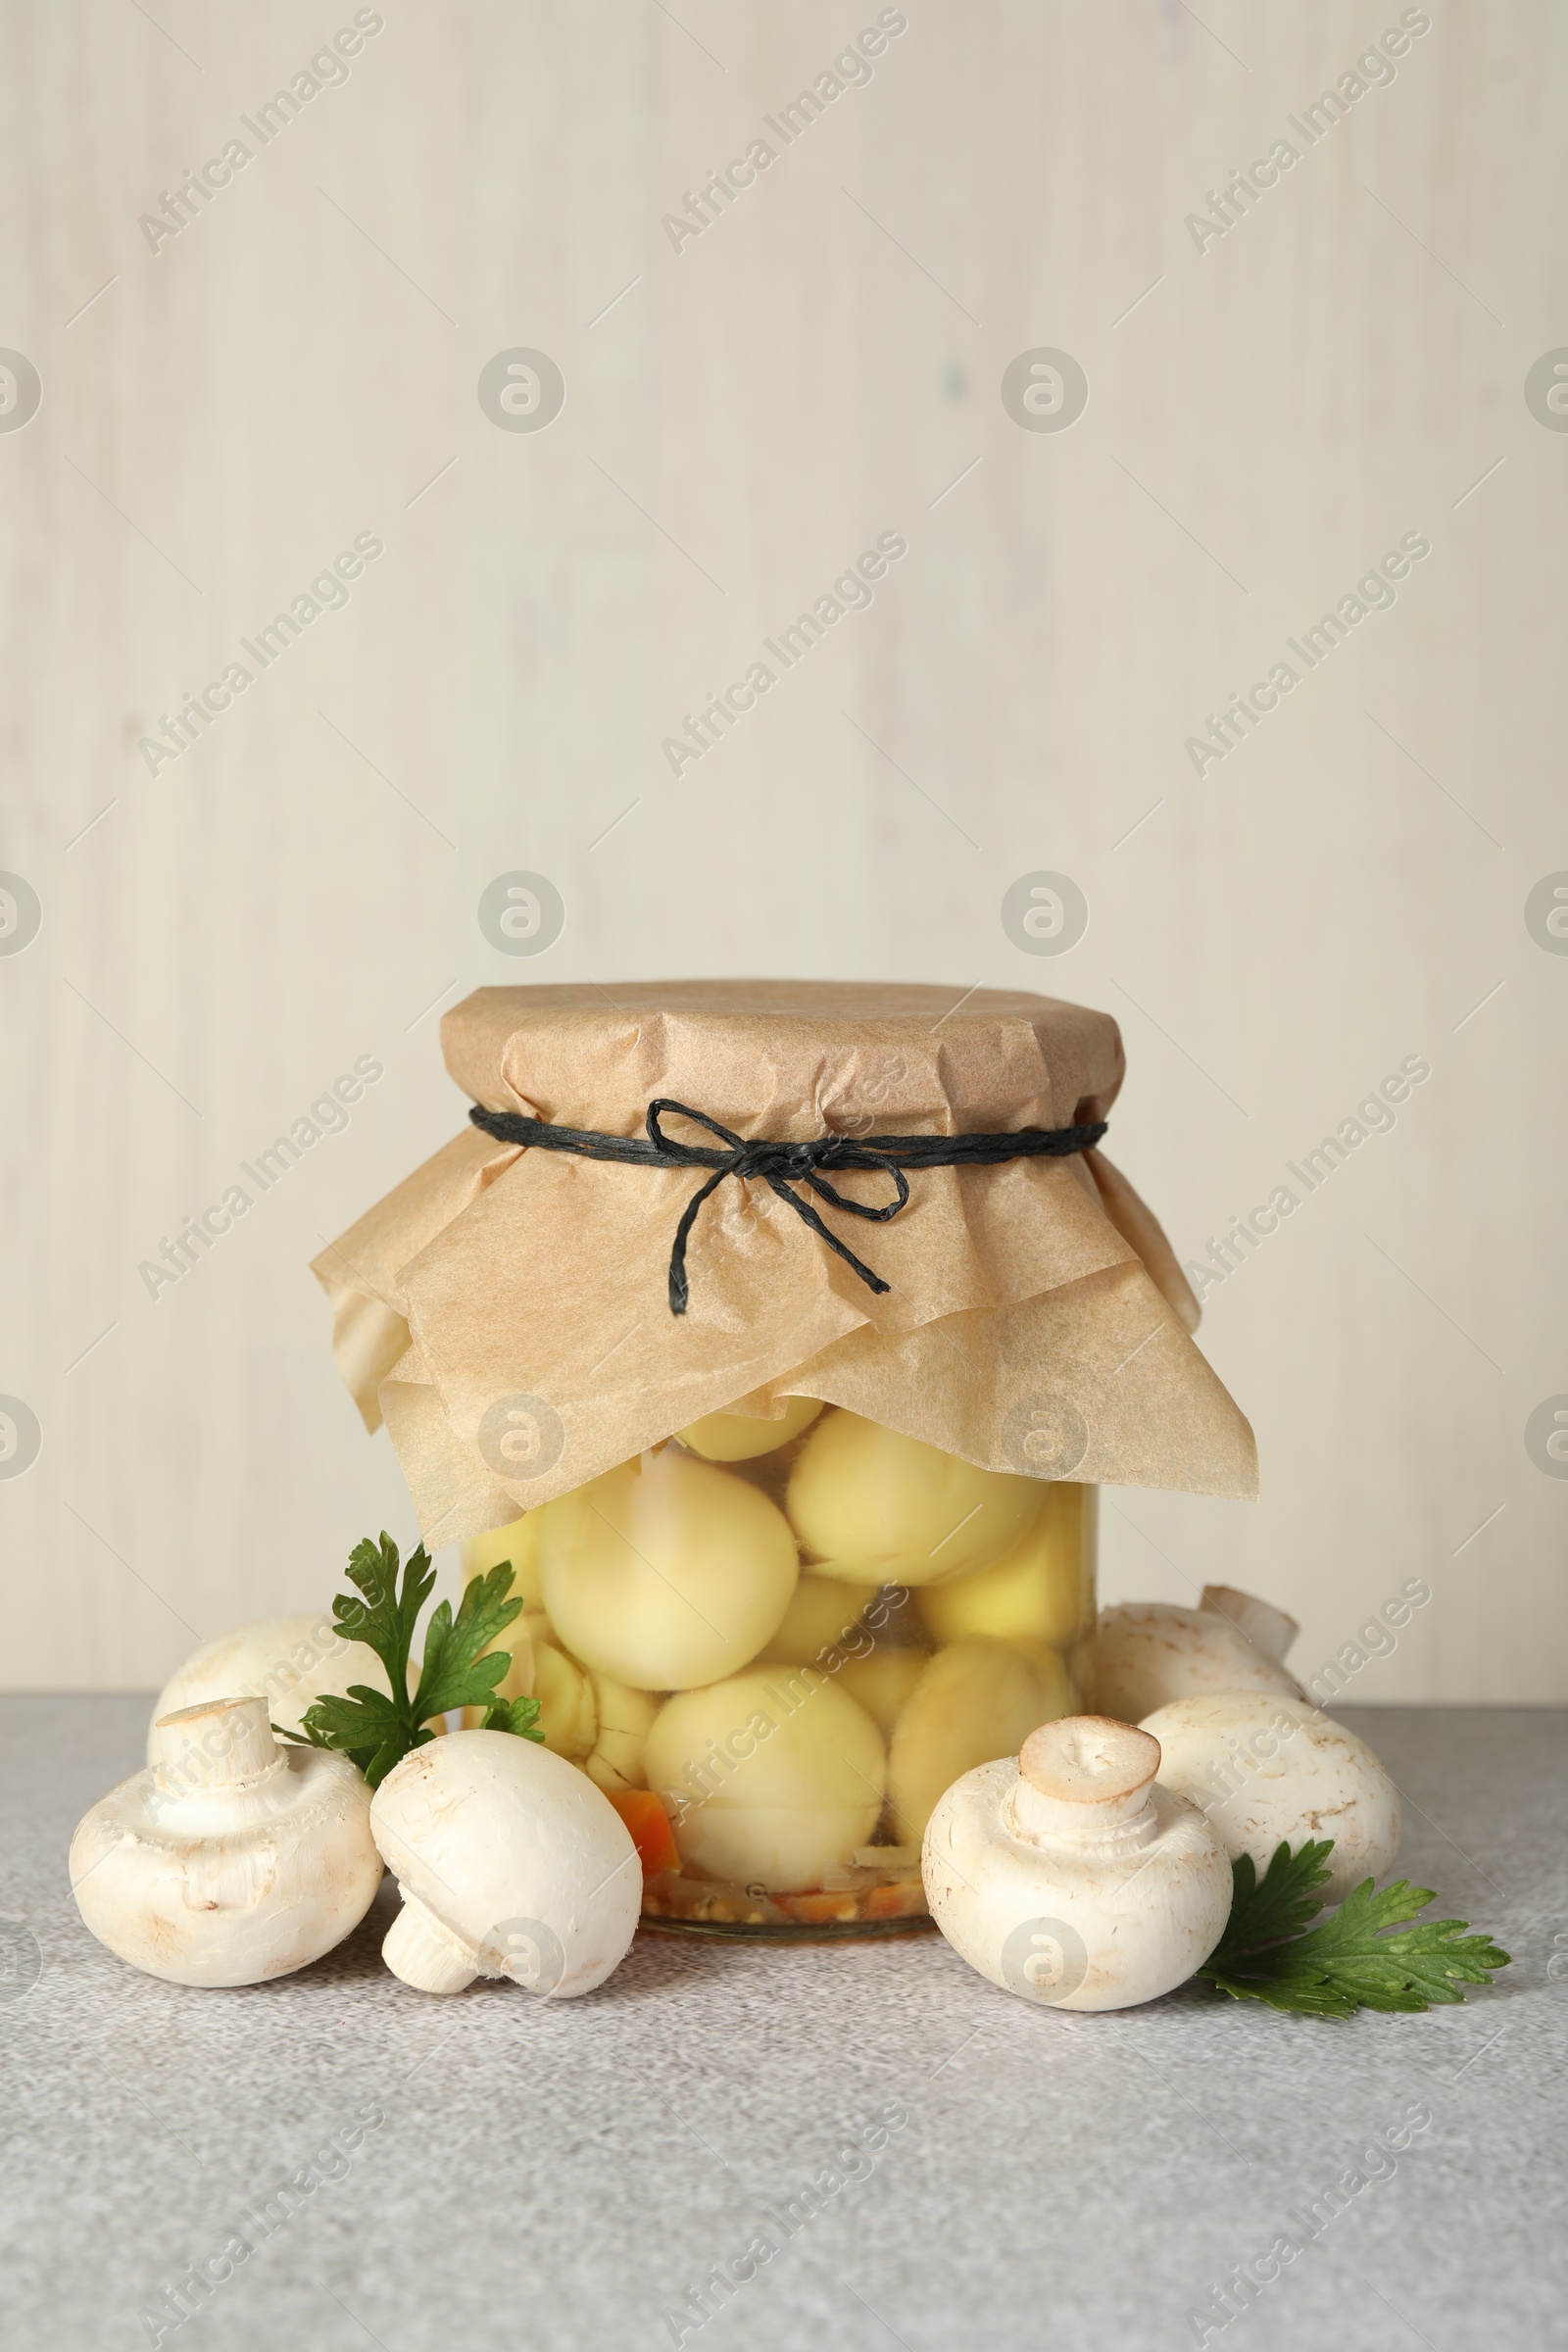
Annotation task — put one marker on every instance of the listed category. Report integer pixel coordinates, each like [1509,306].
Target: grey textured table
[563,2175]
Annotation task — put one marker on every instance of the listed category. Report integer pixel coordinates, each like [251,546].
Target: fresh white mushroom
[1043,1588]
[1069,1875]
[872,1506]
[822,1613]
[977,1699]
[665,1573]
[771,1779]
[1149,1653]
[1264,1767]
[229,1860]
[737,1437]
[510,1864]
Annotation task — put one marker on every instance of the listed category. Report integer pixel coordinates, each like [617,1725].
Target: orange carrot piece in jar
[651,1834]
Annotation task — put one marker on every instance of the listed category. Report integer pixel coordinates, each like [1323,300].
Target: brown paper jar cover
[504,1310]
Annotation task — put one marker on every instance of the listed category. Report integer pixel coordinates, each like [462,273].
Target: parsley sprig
[377,1730]
[1351,1961]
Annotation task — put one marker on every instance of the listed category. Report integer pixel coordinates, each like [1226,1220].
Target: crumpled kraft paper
[505,1310]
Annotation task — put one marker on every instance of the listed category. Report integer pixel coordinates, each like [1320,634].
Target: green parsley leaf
[517,1715]
[359,1725]
[1282,1904]
[1351,1961]
[457,1673]
[385,1619]
[377,1730]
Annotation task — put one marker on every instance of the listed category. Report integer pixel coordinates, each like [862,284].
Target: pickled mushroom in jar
[665,1573]
[737,1437]
[870,1505]
[1043,1589]
[770,1780]
[822,1613]
[974,1701]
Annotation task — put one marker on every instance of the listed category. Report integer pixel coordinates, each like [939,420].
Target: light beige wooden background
[221,940]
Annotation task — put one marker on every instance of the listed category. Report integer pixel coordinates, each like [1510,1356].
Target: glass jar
[774,1643]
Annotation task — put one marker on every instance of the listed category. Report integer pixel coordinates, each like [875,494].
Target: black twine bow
[783,1165]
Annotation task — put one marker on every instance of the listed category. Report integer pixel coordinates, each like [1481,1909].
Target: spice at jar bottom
[780,1334]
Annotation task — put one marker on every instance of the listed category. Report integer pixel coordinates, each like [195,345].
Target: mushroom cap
[291,1661]
[1149,1653]
[493,1836]
[226,1882]
[1086,1922]
[797,1787]
[873,1506]
[665,1572]
[1265,1767]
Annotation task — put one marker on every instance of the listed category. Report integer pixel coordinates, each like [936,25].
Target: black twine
[782,1165]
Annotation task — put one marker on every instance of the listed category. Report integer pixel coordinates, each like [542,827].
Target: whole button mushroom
[1149,1653]
[1265,1768]
[511,1863]
[665,1573]
[874,1507]
[229,1860]
[770,1779]
[1069,1875]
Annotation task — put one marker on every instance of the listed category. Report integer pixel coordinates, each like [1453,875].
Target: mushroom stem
[1267,1629]
[424,1954]
[222,1743]
[1083,1779]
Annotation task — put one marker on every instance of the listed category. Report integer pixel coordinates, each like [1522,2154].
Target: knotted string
[784,1165]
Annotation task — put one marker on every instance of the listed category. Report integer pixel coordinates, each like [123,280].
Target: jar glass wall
[774,1643]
